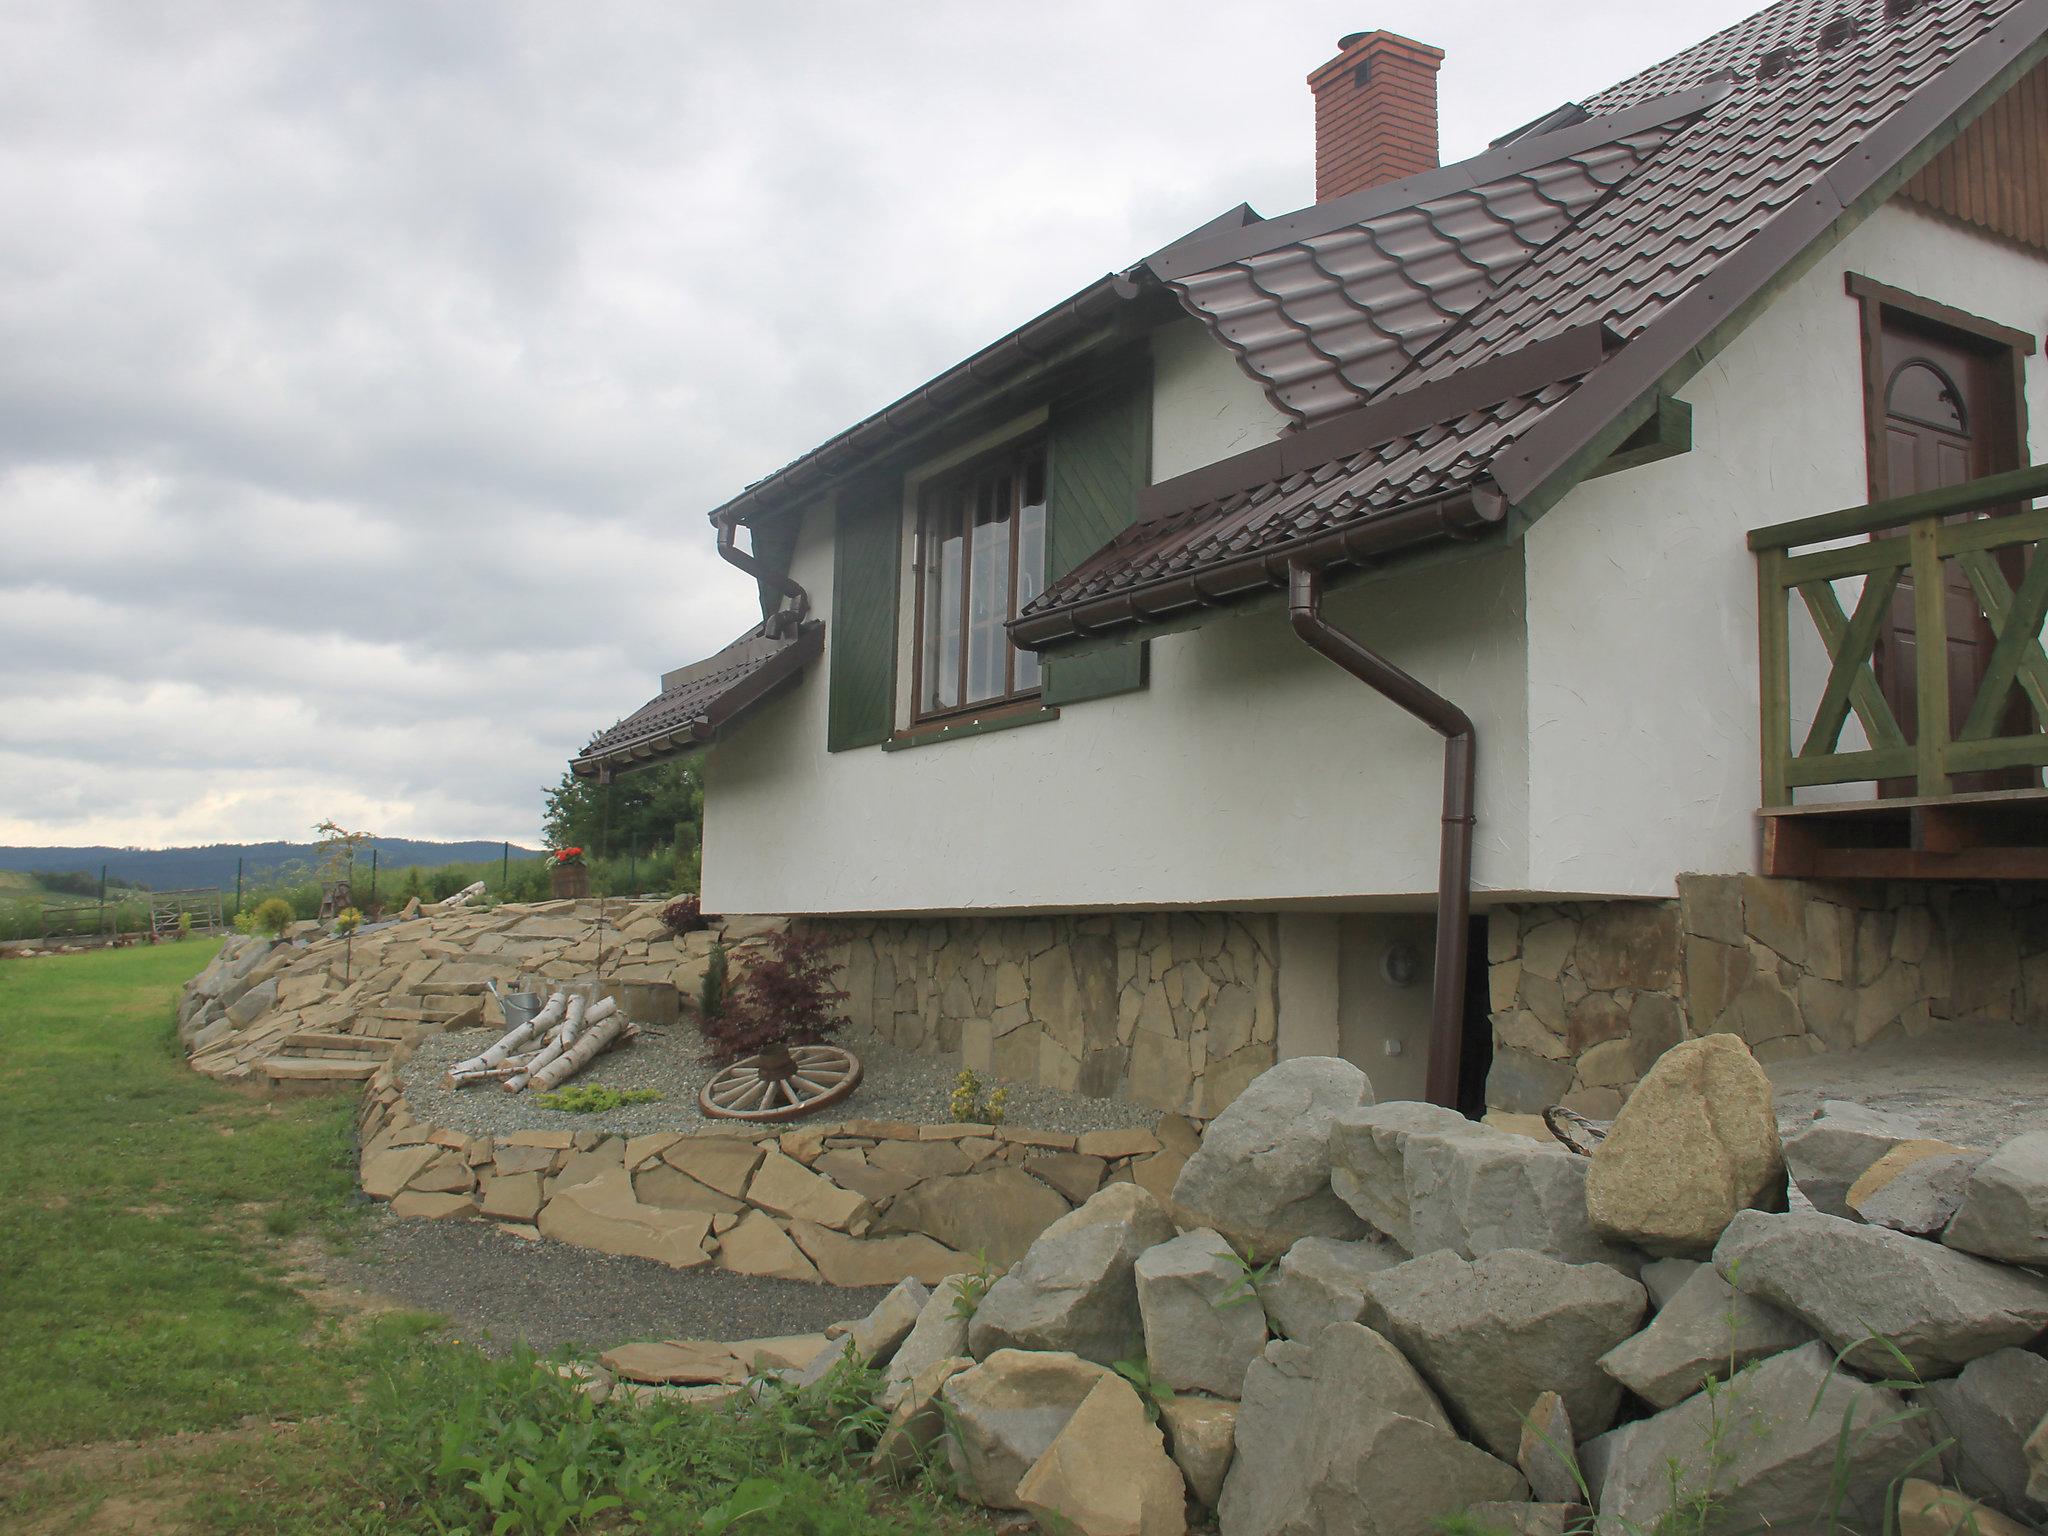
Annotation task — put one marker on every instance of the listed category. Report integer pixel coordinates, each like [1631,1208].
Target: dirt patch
[125,1487]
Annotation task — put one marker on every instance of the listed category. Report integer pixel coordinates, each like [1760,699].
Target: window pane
[1030,560]
[940,580]
[989,602]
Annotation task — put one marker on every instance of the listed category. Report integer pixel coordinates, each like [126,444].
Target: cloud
[367,366]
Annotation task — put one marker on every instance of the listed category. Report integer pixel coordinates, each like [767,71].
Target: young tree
[658,808]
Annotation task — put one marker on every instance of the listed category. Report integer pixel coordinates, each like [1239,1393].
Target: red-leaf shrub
[684,915]
[786,997]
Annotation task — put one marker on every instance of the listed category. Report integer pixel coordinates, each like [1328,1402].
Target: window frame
[1016,455]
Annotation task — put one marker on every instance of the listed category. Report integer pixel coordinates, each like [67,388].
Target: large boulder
[1696,1142]
[2004,1211]
[1493,1334]
[1369,1158]
[1708,1328]
[939,1333]
[1834,1149]
[1006,1413]
[1927,1510]
[1203,1322]
[1106,1472]
[1201,1435]
[1989,1411]
[1869,1291]
[1917,1187]
[1766,1447]
[1263,1169]
[1320,1281]
[1480,1190]
[1342,1435]
[1075,1288]
[1547,1456]
[997,1211]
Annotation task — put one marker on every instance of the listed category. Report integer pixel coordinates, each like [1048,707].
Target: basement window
[980,559]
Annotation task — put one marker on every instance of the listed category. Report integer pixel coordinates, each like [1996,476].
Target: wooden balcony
[1903,565]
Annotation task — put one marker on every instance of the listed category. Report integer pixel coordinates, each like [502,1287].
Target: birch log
[511,1041]
[592,1042]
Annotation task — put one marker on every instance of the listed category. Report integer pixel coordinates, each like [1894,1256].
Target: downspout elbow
[783,621]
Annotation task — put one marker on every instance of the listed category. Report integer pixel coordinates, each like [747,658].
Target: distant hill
[165,869]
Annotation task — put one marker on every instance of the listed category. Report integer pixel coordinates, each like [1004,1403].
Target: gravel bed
[497,1289]
[896,1085]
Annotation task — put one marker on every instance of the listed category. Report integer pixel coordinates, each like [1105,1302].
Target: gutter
[1454,860]
[1462,517]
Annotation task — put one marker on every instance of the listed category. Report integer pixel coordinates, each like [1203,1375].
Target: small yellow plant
[347,920]
[970,1108]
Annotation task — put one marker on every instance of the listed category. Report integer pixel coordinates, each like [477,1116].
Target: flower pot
[568,882]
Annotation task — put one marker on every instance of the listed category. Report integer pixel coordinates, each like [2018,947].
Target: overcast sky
[366,369]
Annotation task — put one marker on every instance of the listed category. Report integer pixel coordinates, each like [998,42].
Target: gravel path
[497,1289]
[896,1085]
[1975,1084]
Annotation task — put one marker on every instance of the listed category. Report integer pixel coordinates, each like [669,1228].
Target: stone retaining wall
[1177,1010]
[1586,995]
[858,1202]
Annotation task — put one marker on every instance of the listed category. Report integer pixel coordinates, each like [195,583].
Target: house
[1545,540]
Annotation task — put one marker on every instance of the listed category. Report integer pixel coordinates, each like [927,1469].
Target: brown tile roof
[697,701]
[1694,228]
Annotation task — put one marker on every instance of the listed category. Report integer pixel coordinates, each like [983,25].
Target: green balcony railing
[1922,535]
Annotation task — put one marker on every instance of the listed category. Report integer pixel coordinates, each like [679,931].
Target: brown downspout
[1454,863]
[783,620]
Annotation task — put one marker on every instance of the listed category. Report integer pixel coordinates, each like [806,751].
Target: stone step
[428,1012]
[303,1069]
[320,1040]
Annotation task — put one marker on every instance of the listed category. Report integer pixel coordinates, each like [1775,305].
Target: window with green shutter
[860,638]
[1098,456]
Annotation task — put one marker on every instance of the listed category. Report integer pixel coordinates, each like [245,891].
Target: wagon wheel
[781,1085]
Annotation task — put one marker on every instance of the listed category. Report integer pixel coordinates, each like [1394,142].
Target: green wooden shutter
[1098,455]
[860,637]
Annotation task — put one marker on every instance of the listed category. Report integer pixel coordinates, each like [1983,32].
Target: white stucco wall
[1643,734]
[1249,772]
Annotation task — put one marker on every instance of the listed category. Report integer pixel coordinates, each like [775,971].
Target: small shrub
[271,916]
[684,915]
[712,989]
[184,926]
[1151,1391]
[970,1108]
[785,998]
[970,1288]
[593,1098]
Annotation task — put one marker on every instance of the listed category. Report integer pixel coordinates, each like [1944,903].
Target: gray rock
[1264,1163]
[2004,1213]
[206,1034]
[1526,1084]
[2037,1463]
[1005,1414]
[1075,1288]
[252,1004]
[1662,1278]
[1766,1446]
[1602,1452]
[940,1333]
[1989,1411]
[1847,1281]
[820,1365]
[1320,1281]
[1201,1435]
[1521,1519]
[1923,1198]
[1342,1435]
[875,1337]
[1203,1322]
[1477,1191]
[1833,1150]
[1707,1329]
[1369,1158]
[1493,1334]
[1547,1456]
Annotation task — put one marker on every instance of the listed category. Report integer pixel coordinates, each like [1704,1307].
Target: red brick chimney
[1375,112]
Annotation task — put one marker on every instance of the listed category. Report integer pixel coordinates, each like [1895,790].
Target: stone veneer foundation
[1175,1010]
[1586,995]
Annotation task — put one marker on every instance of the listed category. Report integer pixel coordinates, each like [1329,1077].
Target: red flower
[564,855]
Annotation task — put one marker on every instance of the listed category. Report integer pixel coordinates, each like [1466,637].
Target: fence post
[1774,676]
[103,899]
[238,887]
[1930,640]
[373,878]
[505,867]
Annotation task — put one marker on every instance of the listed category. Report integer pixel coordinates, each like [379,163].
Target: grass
[149,1225]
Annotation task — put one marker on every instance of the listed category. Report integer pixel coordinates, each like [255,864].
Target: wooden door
[1948,415]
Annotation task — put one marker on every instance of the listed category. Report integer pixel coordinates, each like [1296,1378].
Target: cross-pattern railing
[1924,540]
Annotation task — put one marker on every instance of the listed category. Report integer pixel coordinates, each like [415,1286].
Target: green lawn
[146,1222]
